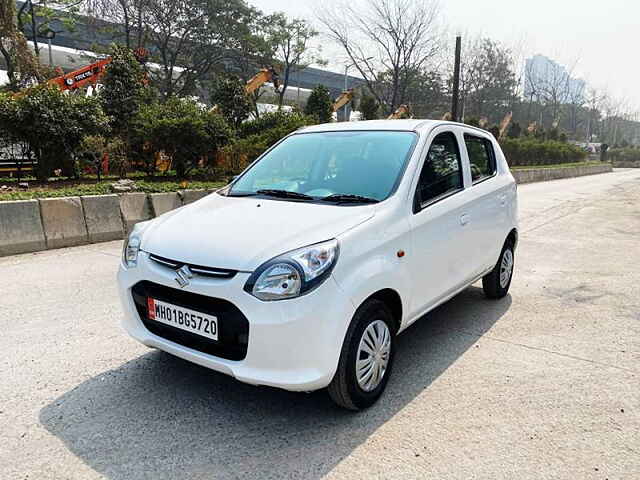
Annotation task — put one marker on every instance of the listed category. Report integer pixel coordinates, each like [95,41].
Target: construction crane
[403,111]
[265,75]
[344,98]
[90,74]
[83,77]
[504,125]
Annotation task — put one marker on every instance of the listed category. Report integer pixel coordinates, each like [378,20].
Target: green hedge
[531,152]
[624,154]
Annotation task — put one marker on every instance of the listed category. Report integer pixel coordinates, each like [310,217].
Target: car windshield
[341,167]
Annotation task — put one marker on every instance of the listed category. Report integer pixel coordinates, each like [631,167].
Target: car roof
[410,125]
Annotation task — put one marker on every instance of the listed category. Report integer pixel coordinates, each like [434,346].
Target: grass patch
[101,188]
[558,165]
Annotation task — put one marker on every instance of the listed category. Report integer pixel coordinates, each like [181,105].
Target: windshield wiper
[284,194]
[348,198]
[240,194]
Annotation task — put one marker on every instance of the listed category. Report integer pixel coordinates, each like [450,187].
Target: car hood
[240,233]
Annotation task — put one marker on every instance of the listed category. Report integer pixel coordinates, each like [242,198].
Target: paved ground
[542,385]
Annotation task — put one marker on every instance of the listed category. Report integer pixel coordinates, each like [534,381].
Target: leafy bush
[529,152]
[256,136]
[53,125]
[287,120]
[183,129]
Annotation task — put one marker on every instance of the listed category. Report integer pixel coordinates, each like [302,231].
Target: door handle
[503,199]
[464,219]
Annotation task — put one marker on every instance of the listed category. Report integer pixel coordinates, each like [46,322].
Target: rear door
[487,203]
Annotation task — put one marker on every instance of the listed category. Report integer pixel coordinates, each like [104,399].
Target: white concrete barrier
[103,217]
[21,227]
[164,202]
[134,208]
[34,225]
[528,175]
[63,221]
[626,163]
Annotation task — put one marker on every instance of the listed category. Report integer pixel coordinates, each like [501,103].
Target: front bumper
[292,344]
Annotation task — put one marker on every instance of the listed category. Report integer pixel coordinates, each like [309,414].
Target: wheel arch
[391,298]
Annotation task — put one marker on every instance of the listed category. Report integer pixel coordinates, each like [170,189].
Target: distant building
[542,74]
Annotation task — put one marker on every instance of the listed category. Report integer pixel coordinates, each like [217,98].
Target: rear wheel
[497,282]
[366,357]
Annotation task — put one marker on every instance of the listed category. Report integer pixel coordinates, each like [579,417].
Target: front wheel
[366,357]
[497,282]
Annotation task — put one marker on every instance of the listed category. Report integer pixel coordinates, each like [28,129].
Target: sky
[599,40]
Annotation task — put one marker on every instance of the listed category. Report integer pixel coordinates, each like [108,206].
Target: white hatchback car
[302,271]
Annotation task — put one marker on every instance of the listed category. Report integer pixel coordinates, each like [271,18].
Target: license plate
[183,318]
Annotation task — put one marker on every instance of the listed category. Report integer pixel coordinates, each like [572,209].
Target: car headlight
[132,246]
[294,273]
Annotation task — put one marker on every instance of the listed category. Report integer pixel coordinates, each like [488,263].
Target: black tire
[344,388]
[491,284]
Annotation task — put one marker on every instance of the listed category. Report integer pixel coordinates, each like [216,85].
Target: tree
[319,104]
[387,41]
[289,40]
[253,52]
[489,82]
[54,124]
[131,15]
[229,96]
[35,17]
[422,90]
[123,90]
[192,38]
[22,66]
[369,107]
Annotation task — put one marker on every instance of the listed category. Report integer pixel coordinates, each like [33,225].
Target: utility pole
[456,81]
[346,78]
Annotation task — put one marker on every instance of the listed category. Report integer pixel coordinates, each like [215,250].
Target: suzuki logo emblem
[183,275]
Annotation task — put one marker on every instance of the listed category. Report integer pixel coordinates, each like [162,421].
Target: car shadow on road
[161,417]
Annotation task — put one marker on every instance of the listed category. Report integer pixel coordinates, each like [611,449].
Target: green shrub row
[102,188]
[624,154]
[530,151]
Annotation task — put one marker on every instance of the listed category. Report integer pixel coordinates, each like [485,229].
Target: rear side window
[441,174]
[482,158]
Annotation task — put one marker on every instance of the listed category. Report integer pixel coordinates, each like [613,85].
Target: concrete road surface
[544,384]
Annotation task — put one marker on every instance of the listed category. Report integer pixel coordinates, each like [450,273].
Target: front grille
[198,269]
[233,326]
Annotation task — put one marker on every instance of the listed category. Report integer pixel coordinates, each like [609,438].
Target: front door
[438,225]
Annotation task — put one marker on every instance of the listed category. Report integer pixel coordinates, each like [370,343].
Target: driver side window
[441,173]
